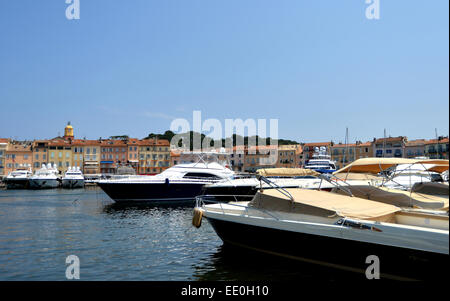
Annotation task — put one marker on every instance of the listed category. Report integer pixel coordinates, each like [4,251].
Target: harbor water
[40,229]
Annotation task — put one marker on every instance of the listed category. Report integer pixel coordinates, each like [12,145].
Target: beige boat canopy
[376,165]
[397,197]
[322,203]
[286,172]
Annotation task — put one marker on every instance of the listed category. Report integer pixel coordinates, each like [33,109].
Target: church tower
[68,132]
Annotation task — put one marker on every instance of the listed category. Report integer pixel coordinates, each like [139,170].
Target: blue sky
[131,67]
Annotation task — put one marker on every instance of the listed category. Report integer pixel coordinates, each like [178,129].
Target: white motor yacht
[321,161]
[46,177]
[178,184]
[19,178]
[73,178]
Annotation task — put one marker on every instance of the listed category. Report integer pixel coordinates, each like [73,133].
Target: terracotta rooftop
[390,139]
[18,148]
[153,142]
[318,144]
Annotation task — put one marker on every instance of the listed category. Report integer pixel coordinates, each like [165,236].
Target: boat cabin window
[200,175]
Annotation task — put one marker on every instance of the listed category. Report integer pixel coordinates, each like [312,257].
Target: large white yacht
[321,161]
[73,178]
[46,177]
[19,178]
[178,184]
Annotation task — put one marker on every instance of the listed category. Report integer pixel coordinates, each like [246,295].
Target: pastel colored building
[3,145]
[287,155]
[17,155]
[437,148]
[40,153]
[60,154]
[133,153]
[415,148]
[113,154]
[389,147]
[86,155]
[343,154]
[154,156]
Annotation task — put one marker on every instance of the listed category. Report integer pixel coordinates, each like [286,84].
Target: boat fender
[197,218]
[167,181]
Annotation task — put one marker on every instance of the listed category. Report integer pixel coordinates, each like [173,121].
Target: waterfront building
[17,154]
[363,150]
[257,157]
[3,145]
[86,155]
[174,157]
[437,148]
[389,147]
[237,157]
[113,153]
[40,153]
[415,148]
[60,154]
[287,156]
[133,153]
[154,156]
[343,154]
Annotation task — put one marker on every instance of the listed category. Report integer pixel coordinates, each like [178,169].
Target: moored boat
[179,184]
[334,230]
[73,178]
[45,178]
[19,178]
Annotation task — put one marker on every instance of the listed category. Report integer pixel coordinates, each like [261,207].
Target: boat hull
[72,183]
[152,192]
[43,183]
[12,183]
[344,254]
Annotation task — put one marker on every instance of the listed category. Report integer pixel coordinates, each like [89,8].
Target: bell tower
[68,131]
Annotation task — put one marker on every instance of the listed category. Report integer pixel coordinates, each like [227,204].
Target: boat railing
[277,187]
[202,200]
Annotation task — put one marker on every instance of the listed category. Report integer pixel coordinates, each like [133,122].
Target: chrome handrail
[200,202]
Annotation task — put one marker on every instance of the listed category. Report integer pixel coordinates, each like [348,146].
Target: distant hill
[168,135]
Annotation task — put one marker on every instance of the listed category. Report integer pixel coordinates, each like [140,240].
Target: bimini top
[286,172]
[398,197]
[376,165]
[323,203]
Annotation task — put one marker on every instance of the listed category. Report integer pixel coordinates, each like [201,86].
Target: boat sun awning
[286,172]
[377,165]
[323,203]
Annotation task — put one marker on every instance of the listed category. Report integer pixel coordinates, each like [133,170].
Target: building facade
[389,147]
[437,148]
[154,156]
[3,146]
[287,156]
[18,155]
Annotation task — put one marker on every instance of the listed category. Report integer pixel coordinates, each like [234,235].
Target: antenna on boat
[384,143]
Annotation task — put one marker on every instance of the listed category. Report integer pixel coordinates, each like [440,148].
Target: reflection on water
[39,229]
